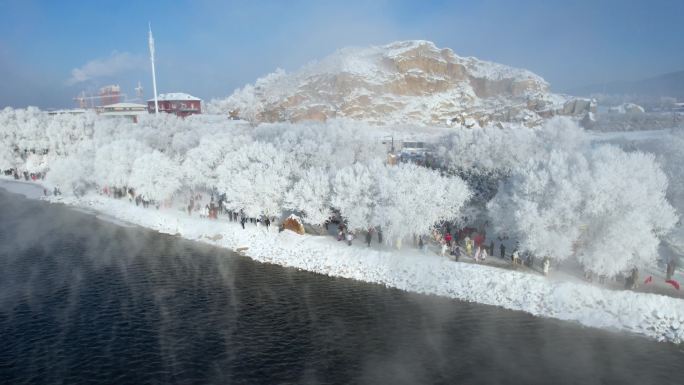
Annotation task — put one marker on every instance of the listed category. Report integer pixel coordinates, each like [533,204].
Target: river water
[87,301]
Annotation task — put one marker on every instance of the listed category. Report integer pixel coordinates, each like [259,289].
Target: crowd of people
[27,176]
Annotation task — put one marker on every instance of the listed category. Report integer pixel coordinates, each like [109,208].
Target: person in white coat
[545,265]
[350,237]
[445,248]
[516,257]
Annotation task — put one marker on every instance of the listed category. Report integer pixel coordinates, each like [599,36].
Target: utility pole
[154,76]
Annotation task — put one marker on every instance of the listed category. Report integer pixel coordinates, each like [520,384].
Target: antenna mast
[154,76]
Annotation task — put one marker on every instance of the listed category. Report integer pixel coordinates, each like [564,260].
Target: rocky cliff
[403,82]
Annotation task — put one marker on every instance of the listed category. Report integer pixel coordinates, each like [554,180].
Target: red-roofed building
[177,103]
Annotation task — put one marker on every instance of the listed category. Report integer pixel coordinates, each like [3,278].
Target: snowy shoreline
[655,316]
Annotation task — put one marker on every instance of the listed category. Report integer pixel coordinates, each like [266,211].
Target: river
[83,300]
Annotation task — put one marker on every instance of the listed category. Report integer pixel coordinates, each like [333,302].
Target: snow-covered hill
[402,82]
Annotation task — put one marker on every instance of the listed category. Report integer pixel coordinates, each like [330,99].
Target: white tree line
[553,190]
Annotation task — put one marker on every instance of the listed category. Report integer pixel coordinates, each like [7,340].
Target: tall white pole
[154,75]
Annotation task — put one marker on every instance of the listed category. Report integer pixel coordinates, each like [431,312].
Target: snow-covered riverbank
[655,316]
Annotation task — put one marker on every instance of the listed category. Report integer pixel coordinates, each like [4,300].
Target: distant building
[128,110]
[110,95]
[415,152]
[678,107]
[74,111]
[177,103]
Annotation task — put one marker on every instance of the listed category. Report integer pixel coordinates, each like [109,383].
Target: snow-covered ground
[654,316]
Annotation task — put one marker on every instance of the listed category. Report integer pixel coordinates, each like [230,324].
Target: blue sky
[51,50]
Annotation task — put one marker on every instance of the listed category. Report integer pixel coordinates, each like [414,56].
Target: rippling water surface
[86,301]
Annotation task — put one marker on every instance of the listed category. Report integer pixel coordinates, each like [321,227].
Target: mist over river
[83,300]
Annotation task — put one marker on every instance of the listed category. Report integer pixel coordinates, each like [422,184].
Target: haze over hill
[402,82]
[666,85]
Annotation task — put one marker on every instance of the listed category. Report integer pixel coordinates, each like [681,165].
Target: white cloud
[114,64]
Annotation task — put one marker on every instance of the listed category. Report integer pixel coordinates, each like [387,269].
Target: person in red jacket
[448,239]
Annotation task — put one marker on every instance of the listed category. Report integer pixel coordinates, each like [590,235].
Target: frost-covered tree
[68,174]
[36,163]
[155,176]
[354,195]
[255,179]
[64,133]
[540,204]
[7,159]
[29,126]
[247,102]
[607,208]
[114,162]
[333,145]
[487,150]
[412,199]
[72,174]
[670,155]
[200,164]
[486,156]
[310,195]
[558,133]
[625,211]
[243,103]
